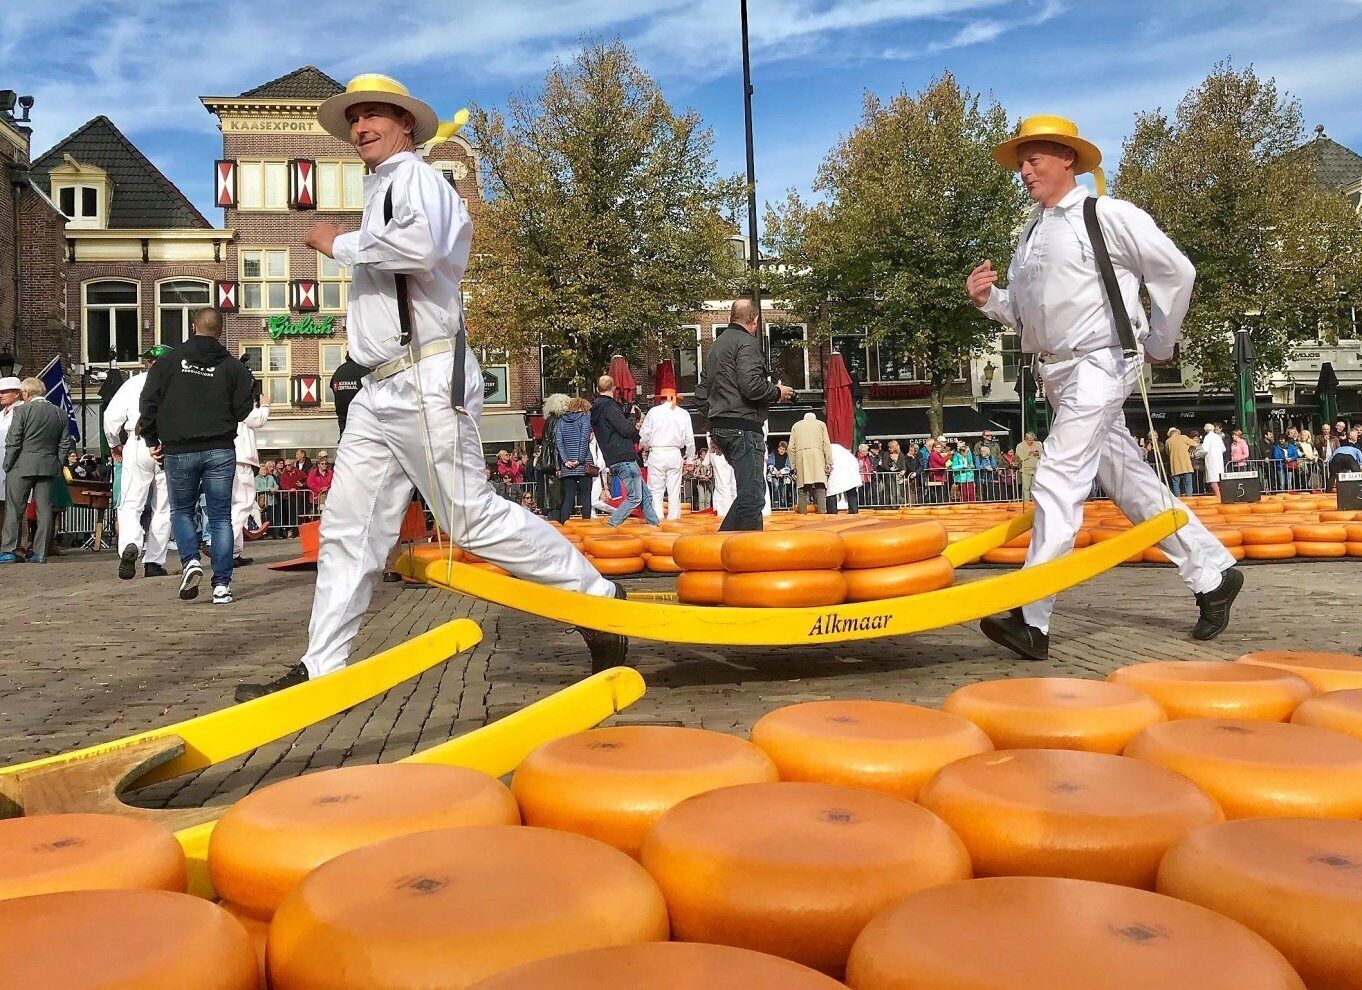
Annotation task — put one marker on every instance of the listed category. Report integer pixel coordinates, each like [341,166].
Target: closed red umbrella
[841,416]
[665,379]
[625,386]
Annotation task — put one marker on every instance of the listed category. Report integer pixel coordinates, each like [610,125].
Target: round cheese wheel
[660,544]
[123,940]
[614,545]
[806,550]
[431,553]
[1228,537]
[259,932]
[1267,508]
[874,583]
[880,745]
[1045,933]
[670,965]
[271,838]
[1266,535]
[1319,533]
[612,784]
[49,853]
[1337,516]
[1055,713]
[1354,549]
[615,566]
[454,906]
[1353,532]
[1324,671]
[661,564]
[1061,813]
[1318,550]
[1340,711]
[1291,880]
[1006,555]
[700,551]
[1214,689]
[888,544]
[1268,551]
[785,589]
[794,869]
[1261,769]
[700,587]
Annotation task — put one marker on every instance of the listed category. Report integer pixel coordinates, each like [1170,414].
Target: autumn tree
[606,217]
[909,203]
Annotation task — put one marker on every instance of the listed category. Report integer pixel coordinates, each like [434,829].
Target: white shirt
[124,410]
[428,240]
[246,451]
[846,471]
[6,414]
[1054,290]
[667,425]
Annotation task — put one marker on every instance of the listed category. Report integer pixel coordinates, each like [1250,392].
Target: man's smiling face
[379,130]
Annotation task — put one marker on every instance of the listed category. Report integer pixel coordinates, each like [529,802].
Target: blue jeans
[1182,484]
[632,479]
[746,453]
[212,473]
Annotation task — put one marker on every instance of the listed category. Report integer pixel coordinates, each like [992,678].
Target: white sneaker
[222,594]
[189,581]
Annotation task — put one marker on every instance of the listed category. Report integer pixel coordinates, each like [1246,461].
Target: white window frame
[264,280]
[343,280]
[323,374]
[265,375]
[113,343]
[265,205]
[804,332]
[208,299]
[699,355]
[79,218]
[355,169]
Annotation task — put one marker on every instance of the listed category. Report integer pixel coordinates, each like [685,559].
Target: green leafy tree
[605,220]
[910,202]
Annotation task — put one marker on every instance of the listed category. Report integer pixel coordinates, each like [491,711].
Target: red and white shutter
[302,184]
[224,182]
[305,295]
[307,390]
[225,296]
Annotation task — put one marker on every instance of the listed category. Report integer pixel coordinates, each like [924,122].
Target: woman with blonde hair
[575,466]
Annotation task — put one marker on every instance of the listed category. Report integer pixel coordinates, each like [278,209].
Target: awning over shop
[911,423]
[290,433]
[500,429]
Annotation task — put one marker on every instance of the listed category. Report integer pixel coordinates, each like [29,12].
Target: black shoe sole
[127,563]
[999,635]
[192,592]
[1235,578]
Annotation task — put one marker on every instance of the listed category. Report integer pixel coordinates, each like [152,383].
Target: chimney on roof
[1319,131]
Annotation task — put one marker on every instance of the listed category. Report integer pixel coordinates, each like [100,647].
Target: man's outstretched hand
[980,283]
[322,237]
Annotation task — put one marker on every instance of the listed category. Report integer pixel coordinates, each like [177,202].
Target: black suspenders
[1113,288]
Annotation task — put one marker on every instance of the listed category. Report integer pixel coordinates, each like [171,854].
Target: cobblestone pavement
[88,658]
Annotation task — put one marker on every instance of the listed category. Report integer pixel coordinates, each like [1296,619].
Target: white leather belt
[397,365]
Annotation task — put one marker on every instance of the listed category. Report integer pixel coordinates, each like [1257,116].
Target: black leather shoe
[127,563]
[607,649]
[297,674]
[1215,605]
[240,561]
[153,570]
[1011,631]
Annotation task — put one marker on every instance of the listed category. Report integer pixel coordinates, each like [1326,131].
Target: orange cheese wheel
[1265,535]
[1337,516]
[889,543]
[1325,671]
[700,587]
[1316,550]
[1268,551]
[430,553]
[1153,555]
[809,550]
[873,583]
[123,940]
[700,551]
[259,932]
[1047,933]
[794,869]
[660,544]
[1293,881]
[1266,508]
[612,784]
[1353,532]
[454,906]
[673,965]
[1319,533]
[1228,537]
[1236,552]
[272,838]
[1340,711]
[659,564]
[1261,769]
[50,853]
[880,745]
[1215,689]
[614,545]
[615,566]
[1055,713]
[784,589]
[1006,555]
[1061,813]
[1235,509]
[1353,549]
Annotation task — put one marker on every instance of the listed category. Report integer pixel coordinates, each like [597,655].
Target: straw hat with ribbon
[1060,130]
[375,88]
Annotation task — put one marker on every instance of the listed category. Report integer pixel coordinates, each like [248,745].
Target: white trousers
[725,484]
[1089,440]
[139,479]
[243,504]
[664,475]
[402,434]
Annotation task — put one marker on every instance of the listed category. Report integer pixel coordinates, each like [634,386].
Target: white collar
[390,163]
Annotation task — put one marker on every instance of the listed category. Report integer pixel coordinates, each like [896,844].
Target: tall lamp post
[751,166]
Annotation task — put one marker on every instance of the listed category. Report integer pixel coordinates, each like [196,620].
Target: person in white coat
[844,481]
[10,397]
[413,424]
[1055,298]
[243,485]
[140,478]
[1213,457]
[668,441]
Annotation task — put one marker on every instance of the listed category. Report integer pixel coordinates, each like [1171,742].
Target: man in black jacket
[193,400]
[738,391]
[617,435]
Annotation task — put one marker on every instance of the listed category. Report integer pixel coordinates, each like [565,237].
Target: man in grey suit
[36,446]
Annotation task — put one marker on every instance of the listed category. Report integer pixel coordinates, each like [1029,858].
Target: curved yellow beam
[970,549]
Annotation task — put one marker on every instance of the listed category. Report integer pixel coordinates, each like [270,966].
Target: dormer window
[82,192]
[79,202]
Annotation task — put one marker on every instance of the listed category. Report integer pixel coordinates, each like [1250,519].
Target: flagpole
[751,164]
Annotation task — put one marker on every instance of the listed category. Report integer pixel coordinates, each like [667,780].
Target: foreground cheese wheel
[785,589]
[662,564]
[1266,535]
[123,940]
[1056,713]
[1215,689]
[1340,711]
[431,553]
[700,551]
[1006,555]
[807,550]
[1320,550]
[880,745]
[1061,813]
[614,545]
[700,587]
[1261,769]
[874,583]
[615,566]
[660,544]
[271,839]
[49,853]
[670,965]
[891,543]
[612,784]
[1324,671]
[1319,533]
[1046,933]
[1269,551]
[1293,881]
[794,869]
[451,907]
[259,932]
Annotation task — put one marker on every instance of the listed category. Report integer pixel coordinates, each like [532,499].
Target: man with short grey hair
[36,445]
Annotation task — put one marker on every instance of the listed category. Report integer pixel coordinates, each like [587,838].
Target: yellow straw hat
[1047,127]
[375,88]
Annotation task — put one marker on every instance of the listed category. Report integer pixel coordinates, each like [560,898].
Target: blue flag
[54,377]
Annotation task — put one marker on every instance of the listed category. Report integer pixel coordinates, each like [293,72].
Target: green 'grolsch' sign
[304,326]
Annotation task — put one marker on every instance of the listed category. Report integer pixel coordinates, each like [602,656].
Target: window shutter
[224,175]
[307,390]
[225,296]
[305,295]
[302,174]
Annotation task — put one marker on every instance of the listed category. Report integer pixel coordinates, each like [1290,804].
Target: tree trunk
[936,412]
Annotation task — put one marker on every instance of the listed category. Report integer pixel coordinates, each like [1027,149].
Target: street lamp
[989,372]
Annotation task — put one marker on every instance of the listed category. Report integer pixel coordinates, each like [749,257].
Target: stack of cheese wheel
[1353,543]
[123,940]
[1325,671]
[674,965]
[1340,711]
[880,745]
[892,559]
[1062,813]
[454,906]
[1261,769]
[1293,881]
[615,553]
[1319,539]
[1215,689]
[700,557]
[799,568]
[1056,713]
[271,839]
[50,853]
[1047,933]
[658,548]
[794,869]
[612,784]
[1268,541]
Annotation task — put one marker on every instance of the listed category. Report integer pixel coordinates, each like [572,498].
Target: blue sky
[144,63]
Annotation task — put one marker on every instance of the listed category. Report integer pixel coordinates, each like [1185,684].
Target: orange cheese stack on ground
[1340,711]
[49,853]
[270,839]
[123,940]
[612,784]
[1047,933]
[880,745]
[1215,689]
[1061,813]
[796,550]
[784,589]
[874,583]
[794,869]
[673,965]
[1293,881]
[454,906]
[1325,671]
[1261,769]
[700,587]
[1056,713]
[889,544]
[700,551]
[259,932]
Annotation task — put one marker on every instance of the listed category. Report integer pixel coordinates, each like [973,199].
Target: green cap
[158,351]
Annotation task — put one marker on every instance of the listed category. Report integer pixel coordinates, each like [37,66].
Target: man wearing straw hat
[413,423]
[1093,348]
